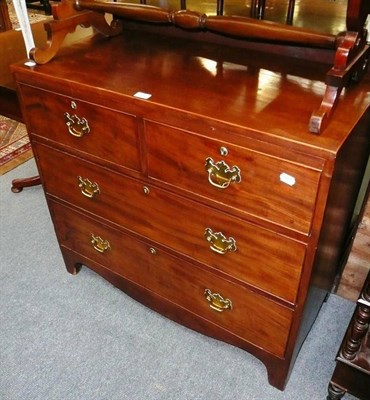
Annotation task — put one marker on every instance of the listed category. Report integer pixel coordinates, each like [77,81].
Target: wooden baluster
[253,12]
[290,13]
[220,7]
[261,9]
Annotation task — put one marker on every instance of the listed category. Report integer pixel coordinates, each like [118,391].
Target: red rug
[15,147]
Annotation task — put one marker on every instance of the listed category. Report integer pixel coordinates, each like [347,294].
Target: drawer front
[258,320]
[267,187]
[97,131]
[259,257]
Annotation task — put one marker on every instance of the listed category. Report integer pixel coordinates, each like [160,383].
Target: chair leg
[19,184]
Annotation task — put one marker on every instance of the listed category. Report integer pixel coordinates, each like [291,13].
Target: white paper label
[288,179]
[30,63]
[142,95]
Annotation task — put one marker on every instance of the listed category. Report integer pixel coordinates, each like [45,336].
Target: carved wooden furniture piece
[352,371]
[172,167]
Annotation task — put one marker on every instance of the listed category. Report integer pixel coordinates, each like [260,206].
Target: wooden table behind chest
[352,371]
[174,169]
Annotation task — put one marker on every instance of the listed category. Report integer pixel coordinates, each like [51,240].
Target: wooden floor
[358,264]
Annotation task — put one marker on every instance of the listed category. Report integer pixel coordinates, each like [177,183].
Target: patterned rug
[15,147]
[33,15]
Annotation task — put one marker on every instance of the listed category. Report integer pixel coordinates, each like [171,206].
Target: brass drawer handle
[99,244]
[217,302]
[220,174]
[88,188]
[76,126]
[218,241]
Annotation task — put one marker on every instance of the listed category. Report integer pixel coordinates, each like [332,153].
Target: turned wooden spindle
[290,12]
[360,325]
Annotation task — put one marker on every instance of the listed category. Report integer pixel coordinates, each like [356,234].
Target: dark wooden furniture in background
[352,371]
[185,172]
[356,262]
[9,107]
[5,23]
[9,104]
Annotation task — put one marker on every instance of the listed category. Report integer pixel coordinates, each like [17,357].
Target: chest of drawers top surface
[270,95]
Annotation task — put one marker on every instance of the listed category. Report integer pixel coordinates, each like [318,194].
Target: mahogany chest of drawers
[184,174]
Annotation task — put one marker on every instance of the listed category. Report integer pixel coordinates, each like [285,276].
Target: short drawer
[252,317]
[267,187]
[247,252]
[100,132]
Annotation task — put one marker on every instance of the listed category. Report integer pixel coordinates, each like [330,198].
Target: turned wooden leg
[335,392]
[19,184]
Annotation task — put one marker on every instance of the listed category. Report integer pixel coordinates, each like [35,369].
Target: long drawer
[267,187]
[256,256]
[101,132]
[254,318]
